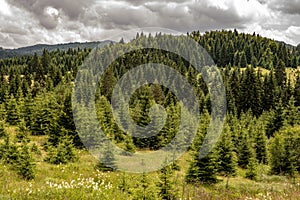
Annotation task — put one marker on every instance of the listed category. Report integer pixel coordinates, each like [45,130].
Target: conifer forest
[256,156]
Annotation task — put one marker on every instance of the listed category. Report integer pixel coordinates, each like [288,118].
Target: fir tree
[245,152]
[202,170]
[107,161]
[261,144]
[63,153]
[226,158]
[166,184]
[291,113]
[2,130]
[25,165]
[251,172]
[275,122]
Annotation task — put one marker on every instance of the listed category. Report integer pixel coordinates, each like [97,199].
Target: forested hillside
[9,53]
[259,145]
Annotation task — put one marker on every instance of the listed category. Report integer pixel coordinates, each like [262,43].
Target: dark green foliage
[243,60]
[2,129]
[25,166]
[144,190]
[22,134]
[19,158]
[251,172]
[63,153]
[245,152]
[297,90]
[35,149]
[280,73]
[202,170]
[260,144]
[12,111]
[65,120]
[275,121]
[226,158]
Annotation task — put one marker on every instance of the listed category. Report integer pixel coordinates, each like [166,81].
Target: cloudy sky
[28,22]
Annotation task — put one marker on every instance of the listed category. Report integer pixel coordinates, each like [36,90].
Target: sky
[29,22]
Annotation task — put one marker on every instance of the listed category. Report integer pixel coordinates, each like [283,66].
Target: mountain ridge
[38,48]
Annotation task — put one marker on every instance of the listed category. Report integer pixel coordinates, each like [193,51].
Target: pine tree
[261,144]
[166,184]
[38,69]
[277,157]
[251,172]
[107,161]
[64,152]
[66,120]
[22,135]
[143,189]
[25,165]
[202,170]
[2,130]
[297,90]
[280,73]
[290,156]
[45,61]
[226,158]
[12,111]
[243,60]
[245,152]
[275,122]
[291,113]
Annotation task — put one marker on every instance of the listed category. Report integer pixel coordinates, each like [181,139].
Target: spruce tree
[107,161]
[166,184]
[226,158]
[275,121]
[297,90]
[202,170]
[291,113]
[25,165]
[63,153]
[260,144]
[280,73]
[243,60]
[277,154]
[12,111]
[251,172]
[245,152]
[2,129]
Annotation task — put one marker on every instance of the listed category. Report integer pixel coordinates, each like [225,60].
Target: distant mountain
[7,53]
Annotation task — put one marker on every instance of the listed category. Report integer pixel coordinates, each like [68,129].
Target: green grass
[80,180]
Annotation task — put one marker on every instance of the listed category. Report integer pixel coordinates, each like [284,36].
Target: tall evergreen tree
[202,170]
[226,158]
[166,184]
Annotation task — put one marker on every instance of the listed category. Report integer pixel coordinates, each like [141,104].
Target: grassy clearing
[80,180]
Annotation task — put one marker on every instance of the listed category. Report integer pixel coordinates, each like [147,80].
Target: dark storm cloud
[288,6]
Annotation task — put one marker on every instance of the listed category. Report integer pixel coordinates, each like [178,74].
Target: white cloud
[4,8]
[58,21]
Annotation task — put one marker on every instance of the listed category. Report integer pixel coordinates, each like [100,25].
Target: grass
[81,180]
